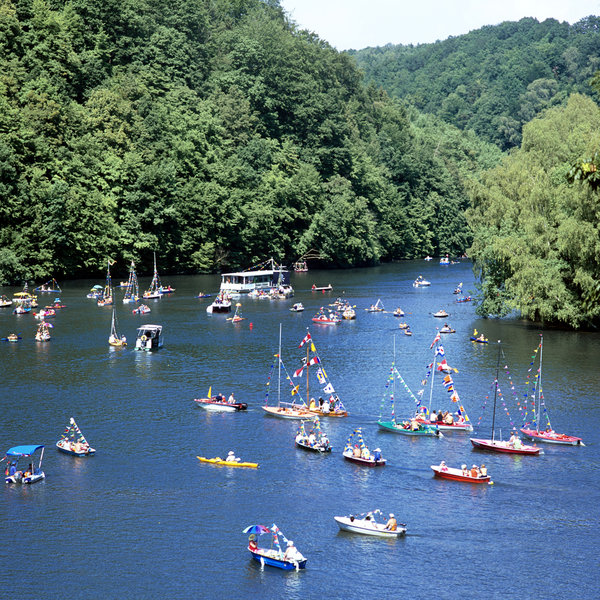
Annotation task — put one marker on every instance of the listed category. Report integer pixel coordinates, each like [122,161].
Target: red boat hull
[551,437]
[495,446]
[452,475]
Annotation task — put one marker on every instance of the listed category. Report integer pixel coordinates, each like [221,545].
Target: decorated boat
[367,524]
[300,266]
[445,260]
[221,304]
[398,312]
[478,337]
[284,410]
[106,296]
[512,446]
[421,282]
[377,307]
[472,475]
[73,441]
[115,339]
[29,474]
[535,409]
[132,286]
[297,307]
[149,337]
[23,304]
[5,301]
[326,318]
[50,286]
[42,333]
[153,292]
[142,309]
[348,313]
[45,313]
[314,440]
[274,556]
[219,403]
[458,289]
[220,462]
[95,292]
[356,451]
[237,316]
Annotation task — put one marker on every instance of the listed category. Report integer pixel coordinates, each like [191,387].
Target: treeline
[492,80]
[213,132]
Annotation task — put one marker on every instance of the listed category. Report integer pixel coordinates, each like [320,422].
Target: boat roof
[150,328]
[23,450]
[253,273]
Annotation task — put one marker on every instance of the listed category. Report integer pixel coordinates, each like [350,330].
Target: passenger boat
[95,292]
[265,276]
[142,309]
[30,474]
[274,556]
[315,440]
[45,313]
[326,288]
[445,472]
[300,266]
[284,410]
[218,403]
[323,318]
[349,313]
[219,462]
[458,289]
[106,296]
[533,412]
[377,307]
[420,282]
[237,316]
[221,304]
[4,301]
[73,441]
[114,339]
[42,333]
[23,305]
[132,286]
[11,337]
[514,445]
[368,525]
[166,289]
[447,329]
[440,314]
[149,337]
[297,307]
[49,286]
[445,260]
[363,455]
[153,292]
[479,338]
[398,312]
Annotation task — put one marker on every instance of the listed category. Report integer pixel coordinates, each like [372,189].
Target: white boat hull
[368,527]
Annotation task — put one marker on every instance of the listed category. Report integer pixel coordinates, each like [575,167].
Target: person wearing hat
[252,545]
[231,457]
[475,471]
[392,524]
[291,553]
[483,470]
[231,399]
[377,454]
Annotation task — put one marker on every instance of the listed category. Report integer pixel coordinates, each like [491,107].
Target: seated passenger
[231,457]
[474,471]
[483,471]
[464,470]
[443,466]
[392,524]
[366,454]
[356,451]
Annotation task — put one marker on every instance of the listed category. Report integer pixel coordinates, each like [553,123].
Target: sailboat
[106,298]
[377,307]
[114,339]
[73,442]
[43,332]
[531,428]
[459,421]
[411,426]
[237,316]
[315,441]
[153,291]
[132,289]
[514,445]
[360,454]
[49,286]
[284,410]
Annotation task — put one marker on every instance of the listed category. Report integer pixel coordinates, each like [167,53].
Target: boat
[360,454]
[315,440]
[420,282]
[536,409]
[403,325]
[326,288]
[23,301]
[323,318]
[456,419]
[166,289]
[221,304]
[445,260]
[284,410]
[447,329]
[57,304]
[465,299]
[274,556]
[132,286]
[349,313]
[407,331]
[377,307]
[142,309]
[219,403]
[49,286]
[11,337]
[153,292]
[368,525]
[281,292]
[30,474]
[398,312]
[106,297]
[300,266]
[201,295]
[458,289]
[149,337]
[428,258]
[478,337]
[444,472]
[440,314]
[218,461]
[95,292]
[45,313]
[42,333]
[265,276]
[297,307]
[73,441]
[5,301]
[114,339]
[237,316]
[512,446]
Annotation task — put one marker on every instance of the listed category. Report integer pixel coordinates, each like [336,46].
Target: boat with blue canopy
[30,474]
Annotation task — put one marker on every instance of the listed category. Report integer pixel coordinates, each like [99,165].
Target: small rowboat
[142,309]
[504,447]
[441,314]
[403,325]
[327,288]
[398,312]
[420,282]
[457,475]
[11,337]
[201,295]
[368,527]
[447,330]
[74,448]
[270,557]
[365,462]
[219,405]
[298,307]
[316,447]
[332,319]
[224,463]
[551,437]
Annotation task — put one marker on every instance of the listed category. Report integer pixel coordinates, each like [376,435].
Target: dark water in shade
[144,519]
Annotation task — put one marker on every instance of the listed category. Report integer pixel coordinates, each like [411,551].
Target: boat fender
[143,338]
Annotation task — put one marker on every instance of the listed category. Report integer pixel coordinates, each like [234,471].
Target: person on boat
[475,471]
[443,466]
[464,470]
[312,405]
[483,471]
[325,408]
[231,399]
[291,553]
[440,417]
[312,439]
[392,524]
[231,457]
[433,416]
[414,425]
[448,418]
[366,454]
[321,402]
[252,545]
[377,454]
[356,452]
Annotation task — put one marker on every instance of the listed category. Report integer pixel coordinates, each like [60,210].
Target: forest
[218,134]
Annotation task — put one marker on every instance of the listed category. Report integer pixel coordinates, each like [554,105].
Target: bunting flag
[437,338]
[448,381]
[321,377]
[295,390]
[328,389]
[314,360]
[439,351]
[312,347]
[298,372]
[306,339]
[454,397]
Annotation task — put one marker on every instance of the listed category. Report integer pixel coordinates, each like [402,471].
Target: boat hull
[450,427]
[326,321]
[223,463]
[88,452]
[26,480]
[321,449]
[338,413]
[217,406]
[365,527]
[275,562]
[503,447]
[365,462]
[391,426]
[551,437]
[456,475]
[287,413]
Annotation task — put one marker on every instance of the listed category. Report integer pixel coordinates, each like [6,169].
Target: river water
[143,518]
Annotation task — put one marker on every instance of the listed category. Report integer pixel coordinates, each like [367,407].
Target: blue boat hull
[280,564]
[390,426]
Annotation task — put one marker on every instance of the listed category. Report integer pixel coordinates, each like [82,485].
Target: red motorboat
[458,474]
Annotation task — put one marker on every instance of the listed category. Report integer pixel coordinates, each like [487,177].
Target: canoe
[269,557]
[327,288]
[505,447]
[223,463]
[457,475]
[551,437]
[479,340]
[365,462]
[368,527]
[220,406]
[327,321]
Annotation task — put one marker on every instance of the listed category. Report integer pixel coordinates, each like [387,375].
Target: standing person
[377,454]
[231,399]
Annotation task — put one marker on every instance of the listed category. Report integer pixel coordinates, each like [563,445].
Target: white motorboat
[368,526]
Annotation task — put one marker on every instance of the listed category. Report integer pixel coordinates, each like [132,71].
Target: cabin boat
[221,304]
[243,282]
[29,475]
[367,525]
[149,337]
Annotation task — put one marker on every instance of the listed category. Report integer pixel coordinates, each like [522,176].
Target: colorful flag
[448,381]
[314,360]
[443,365]
[295,390]
[454,397]
[328,389]
[298,372]
[439,351]
[305,340]
[321,377]
[312,347]
[437,338]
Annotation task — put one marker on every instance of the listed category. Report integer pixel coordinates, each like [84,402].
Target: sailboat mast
[307,367]
[496,390]
[279,375]
[539,387]
[432,378]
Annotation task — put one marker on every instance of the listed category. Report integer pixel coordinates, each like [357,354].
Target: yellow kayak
[223,463]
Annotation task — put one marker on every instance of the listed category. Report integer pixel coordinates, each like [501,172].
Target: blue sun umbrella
[260,529]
